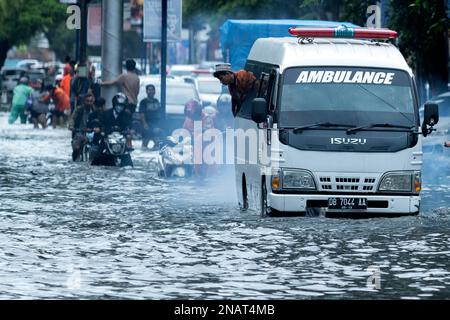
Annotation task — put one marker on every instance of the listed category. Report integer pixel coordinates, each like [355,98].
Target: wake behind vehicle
[338,124]
[175,158]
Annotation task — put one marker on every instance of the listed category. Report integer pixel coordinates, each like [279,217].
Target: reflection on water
[72,231]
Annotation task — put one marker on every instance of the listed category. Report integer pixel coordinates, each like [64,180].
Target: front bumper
[379,204]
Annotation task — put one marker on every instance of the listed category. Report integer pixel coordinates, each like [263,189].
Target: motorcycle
[175,158]
[113,150]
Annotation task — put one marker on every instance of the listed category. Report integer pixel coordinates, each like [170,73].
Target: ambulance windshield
[355,96]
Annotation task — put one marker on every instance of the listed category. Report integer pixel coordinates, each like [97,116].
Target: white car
[208,87]
[181,70]
[178,93]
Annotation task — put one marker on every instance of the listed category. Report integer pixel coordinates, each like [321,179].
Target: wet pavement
[73,231]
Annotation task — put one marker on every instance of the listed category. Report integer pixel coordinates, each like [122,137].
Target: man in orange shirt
[62,103]
[66,81]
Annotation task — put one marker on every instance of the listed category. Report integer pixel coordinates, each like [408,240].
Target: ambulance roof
[287,52]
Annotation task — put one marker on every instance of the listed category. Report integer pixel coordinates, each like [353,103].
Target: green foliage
[22,19]
[423,27]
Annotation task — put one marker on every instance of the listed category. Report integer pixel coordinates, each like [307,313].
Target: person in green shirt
[21,93]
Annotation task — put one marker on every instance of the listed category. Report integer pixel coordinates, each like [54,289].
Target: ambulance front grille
[347,183]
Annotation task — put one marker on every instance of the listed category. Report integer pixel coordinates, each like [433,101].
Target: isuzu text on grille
[348,141]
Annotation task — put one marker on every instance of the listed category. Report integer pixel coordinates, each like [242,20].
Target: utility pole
[163,53]
[83,32]
[112,38]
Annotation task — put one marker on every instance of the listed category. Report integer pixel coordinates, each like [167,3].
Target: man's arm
[111,82]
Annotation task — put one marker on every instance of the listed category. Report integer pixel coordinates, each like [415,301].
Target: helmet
[120,99]
[193,109]
[23,80]
[224,103]
[208,117]
[59,77]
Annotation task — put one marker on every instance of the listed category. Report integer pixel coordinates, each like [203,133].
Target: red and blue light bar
[343,32]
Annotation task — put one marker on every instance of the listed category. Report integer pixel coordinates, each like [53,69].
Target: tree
[423,28]
[20,20]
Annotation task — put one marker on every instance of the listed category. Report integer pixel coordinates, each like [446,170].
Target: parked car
[180,70]
[34,76]
[208,87]
[178,93]
[29,64]
[10,78]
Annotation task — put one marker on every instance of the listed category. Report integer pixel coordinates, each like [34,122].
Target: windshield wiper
[379,125]
[321,124]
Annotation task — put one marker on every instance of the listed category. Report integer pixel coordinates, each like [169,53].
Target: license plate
[347,203]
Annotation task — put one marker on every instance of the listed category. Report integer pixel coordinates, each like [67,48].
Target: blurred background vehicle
[208,87]
[179,93]
[435,142]
[36,78]
[29,64]
[180,70]
[10,77]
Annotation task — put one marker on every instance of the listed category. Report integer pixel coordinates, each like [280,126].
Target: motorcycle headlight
[401,181]
[116,148]
[298,179]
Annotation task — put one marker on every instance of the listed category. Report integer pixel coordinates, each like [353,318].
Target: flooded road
[68,230]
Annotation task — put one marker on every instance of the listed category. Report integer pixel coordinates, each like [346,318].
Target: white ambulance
[336,111]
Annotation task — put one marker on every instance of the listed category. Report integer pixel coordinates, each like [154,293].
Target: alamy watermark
[73,22]
[374,280]
[73,281]
[232,146]
[374,16]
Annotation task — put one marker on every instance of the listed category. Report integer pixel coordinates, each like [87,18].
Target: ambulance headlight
[401,181]
[298,179]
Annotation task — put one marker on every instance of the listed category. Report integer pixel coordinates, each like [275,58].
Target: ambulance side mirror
[259,110]
[431,114]
[430,118]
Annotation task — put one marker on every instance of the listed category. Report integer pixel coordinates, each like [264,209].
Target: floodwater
[68,230]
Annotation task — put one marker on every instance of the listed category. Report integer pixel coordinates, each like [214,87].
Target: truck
[238,36]
[336,113]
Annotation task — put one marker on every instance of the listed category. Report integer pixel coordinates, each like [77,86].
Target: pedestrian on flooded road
[21,93]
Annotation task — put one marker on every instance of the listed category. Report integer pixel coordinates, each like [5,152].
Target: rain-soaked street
[72,231]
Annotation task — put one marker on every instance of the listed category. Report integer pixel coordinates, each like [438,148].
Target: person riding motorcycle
[78,124]
[115,119]
[192,113]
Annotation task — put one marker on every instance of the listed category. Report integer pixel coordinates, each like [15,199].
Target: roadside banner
[152,20]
